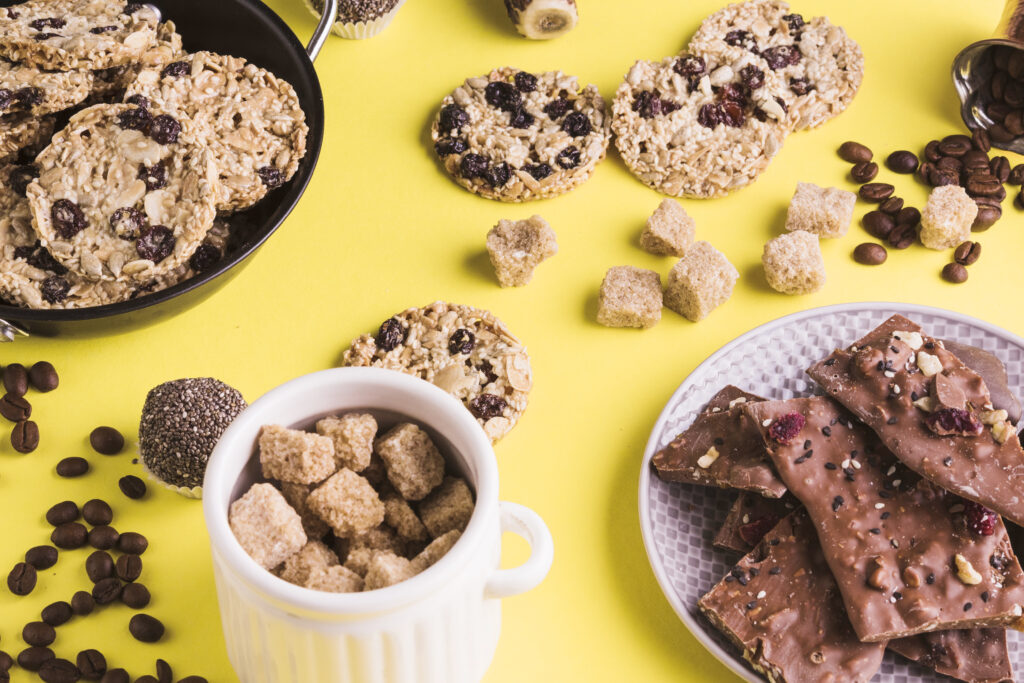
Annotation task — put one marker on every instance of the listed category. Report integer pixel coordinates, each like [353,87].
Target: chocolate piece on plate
[908,556]
[993,372]
[749,519]
[932,412]
[780,605]
[976,655]
[721,448]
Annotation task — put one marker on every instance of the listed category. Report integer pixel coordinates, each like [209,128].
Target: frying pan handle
[323,29]
[9,331]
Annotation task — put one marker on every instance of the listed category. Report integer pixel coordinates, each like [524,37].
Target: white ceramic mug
[440,626]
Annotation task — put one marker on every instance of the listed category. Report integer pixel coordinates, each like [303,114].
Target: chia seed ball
[182,421]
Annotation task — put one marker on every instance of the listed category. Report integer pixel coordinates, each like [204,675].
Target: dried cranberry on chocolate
[204,257]
[785,428]
[453,117]
[155,243]
[21,176]
[390,334]
[49,22]
[781,56]
[568,158]
[957,421]
[740,38]
[103,29]
[154,176]
[555,109]
[68,219]
[128,223]
[577,124]
[525,82]
[486,406]
[271,176]
[800,86]
[55,289]
[175,70]
[690,65]
[461,341]
[752,532]
[979,518]
[502,95]
[752,77]
[498,175]
[473,166]
[448,146]
[539,171]
[520,118]
[164,129]
[137,118]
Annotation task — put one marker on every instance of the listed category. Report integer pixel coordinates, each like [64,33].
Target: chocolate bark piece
[721,448]
[976,655]
[750,518]
[931,411]
[992,371]
[781,606]
[908,556]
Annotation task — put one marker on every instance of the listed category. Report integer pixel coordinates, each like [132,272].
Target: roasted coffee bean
[106,440]
[1016,176]
[132,543]
[132,486]
[864,172]
[164,673]
[15,378]
[22,579]
[1000,167]
[38,633]
[902,161]
[70,536]
[955,145]
[99,566]
[193,679]
[951,164]
[135,595]
[97,512]
[43,376]
[59,671]
[32,658]
[854,152]
[955,273]
[15,408]
[999,133]
[146,628]
[967,253]
[72,467]
[25,436]
[891,206]
[931,151]
[876,192]
[997,111]
[116,676]
[878,224]
[146,679]
[82,603]
[6,662]
[979,139]
[106,591]
[62,513]
[103,537]
[129,567]
[924,172]
[42,556]
[1018,201]
[975,160]
[939,177]
[983,185]
[902,236]
[57,613]
[92,664]
[870,254]
[1014,122]
[987,217]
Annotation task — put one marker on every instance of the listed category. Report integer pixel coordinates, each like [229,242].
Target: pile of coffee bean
[14,407]
[1006,90]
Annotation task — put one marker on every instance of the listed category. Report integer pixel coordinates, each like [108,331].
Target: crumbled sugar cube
[359,559]
[386,570]
[437,549]
[669,230]
[353,436]
[347,503]
[947,217]
[297,495]
[267,528]
[295,456]
[400,516]
[517,247]
[414,465]
[312,557]
[381,537]
[700,282]
[793,263]
[335,579]
[630,297]
[447,508]
[822,211]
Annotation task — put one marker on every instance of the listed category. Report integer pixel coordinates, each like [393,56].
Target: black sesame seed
[897,595]
[894,349]
[884,494]
[719,441]
[802,459]
[849,476]
[827,431]
[754,571]
[751,605]
[807,444]
[775,571]
[875,530]
[730,578]
[737,572]
[930,579]
[984,596]
[892,420]
[913,395]
[831,466]
[832,422]
[742,580]
[837,503]
[880,366]
[830,361]
[968,606]
[947,462]
[774,541]
[885,515]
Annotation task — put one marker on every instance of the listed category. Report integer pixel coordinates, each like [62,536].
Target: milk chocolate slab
[781,607]
[750,518]
[992,371]
[721,448]
[976,655]
[908,556]
[932,412]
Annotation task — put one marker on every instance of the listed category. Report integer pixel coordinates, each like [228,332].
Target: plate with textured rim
[679,521]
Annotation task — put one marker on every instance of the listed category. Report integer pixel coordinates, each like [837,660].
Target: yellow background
[382,228]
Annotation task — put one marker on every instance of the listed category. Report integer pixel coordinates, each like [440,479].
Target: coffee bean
[38,633]
[878,224]
[132,486]
[103,537]
[82,603]
[902,161]
[955,273]
[1016,176]
[59,671]
[69,536]
[43,376]
[967,253]
[129,568]
[42,556]
[146,679]
[92,664]
[1000,167]
[979,139]
[116,676]
[135,595]
[975,160]
[864,172]
[132,543]
[15,378]
[854,152]
[99,566]
[72,467]
[1014,122]
[950,164]
[106,591]
[931,151]
[164,674]
[32,658]
[955,145]
[983,185]
[25,436]
[57,613]
[902,236]
[106,440]
[891,206]
[15,408]
[146,628]
[62,513]
[925,172]
[876,192]
[6,662]
[999,133]
[97,512]
[1018,201]
[22,579]
[939,177]
[987,217]
[870,254]
[193,679]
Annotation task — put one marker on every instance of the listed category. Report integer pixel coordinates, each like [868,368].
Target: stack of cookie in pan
[154,148]
[871,517]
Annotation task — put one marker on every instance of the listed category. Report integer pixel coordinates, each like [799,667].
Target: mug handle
[528,524]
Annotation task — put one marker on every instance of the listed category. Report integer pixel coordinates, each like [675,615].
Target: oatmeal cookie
[111,83]
[27,89]
[24,133]
[516,136]
[250,119]
[124,193]
[820,66]
[466,351]
[76,34]
[690,127]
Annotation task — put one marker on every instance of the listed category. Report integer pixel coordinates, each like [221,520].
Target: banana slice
[542,19]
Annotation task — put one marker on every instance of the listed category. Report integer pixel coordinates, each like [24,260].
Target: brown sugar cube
[437,549]
[387,569]
[347,503]
[381,537]
[359,559]
[375,472]
[415,467]
[823,211]
[313,557]
[700,282]
[399,515]
[447,508]
[335,579]
[629,297]
[353,436]
[297,495]
[793,263]
[267,528]
[947,217]
[295,456]
[517,247]
[669,230]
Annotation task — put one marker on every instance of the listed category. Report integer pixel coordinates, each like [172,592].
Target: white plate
[679,521]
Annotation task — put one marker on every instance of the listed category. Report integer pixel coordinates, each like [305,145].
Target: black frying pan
[243,28]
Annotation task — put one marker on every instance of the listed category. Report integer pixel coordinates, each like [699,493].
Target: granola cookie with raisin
[31,90]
